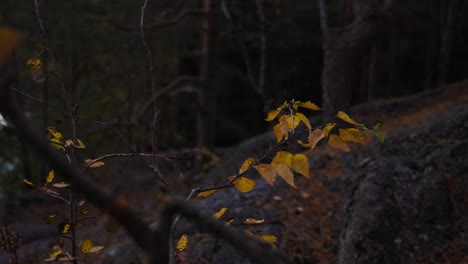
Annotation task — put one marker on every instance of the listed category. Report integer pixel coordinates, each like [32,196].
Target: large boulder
[406,199]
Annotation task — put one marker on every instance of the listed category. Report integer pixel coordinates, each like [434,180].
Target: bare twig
[177,19]
[172,85]
[149,56]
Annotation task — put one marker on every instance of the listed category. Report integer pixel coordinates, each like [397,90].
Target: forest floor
[310,216]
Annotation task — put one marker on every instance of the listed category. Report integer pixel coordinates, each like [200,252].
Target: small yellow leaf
[28,182]
[273,114]
[253,221]
[300,163]
[220,213]
[246,165]
[64,228]
[56,143]
[9,39]
[285,172]
[182,243]
[328,128]
[55,254]
[206,193]
[243,184]
[268,238]
[86,246]
[310,105]
[278,133]
[94,164]
[95,249]
[352,135]
[304,119]
[50,177]
[283,157]
[68,142]
[336,142]
[79,144]
[267,171]
[343,116]
[54,133]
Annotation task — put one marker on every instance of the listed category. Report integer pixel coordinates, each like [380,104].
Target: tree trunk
[448,17]
[206,116]
[344,48]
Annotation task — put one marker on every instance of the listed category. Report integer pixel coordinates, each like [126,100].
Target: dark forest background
[219,66]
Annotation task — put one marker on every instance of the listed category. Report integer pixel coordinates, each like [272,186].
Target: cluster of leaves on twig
[66,227]
[285,164]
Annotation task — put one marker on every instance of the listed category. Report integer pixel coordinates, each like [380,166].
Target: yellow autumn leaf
[267,171]
[220,213]
[293,121]
[273,114]
[182,243]
[352,135]
[336,142]
[283,157]
[253,221]
[343,116]
[268,238]
[64,228]
[310,105]
[284,125]
[55,253]
[243,184]
[78,144]
[68,142]
[28,182]
[285,172]
[94,164]
[278,133]
[206,193]
[246,165]
[304,119]
[34,64]
[54,133]
[56,143]
[300,164]
[315,136]
[9,39]
[87,247]
[328,127]
[50,177]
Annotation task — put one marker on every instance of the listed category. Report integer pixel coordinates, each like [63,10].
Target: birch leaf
[283,157]
[267,171]
[310,105]
[300,163]
[336,142]
[246,165]
[182,243]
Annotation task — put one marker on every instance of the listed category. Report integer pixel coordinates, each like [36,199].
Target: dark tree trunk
[449,10]
[344,49]
[206,116]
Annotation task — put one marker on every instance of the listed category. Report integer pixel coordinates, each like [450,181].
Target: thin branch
[152,26]
[149,56]
[172,85]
